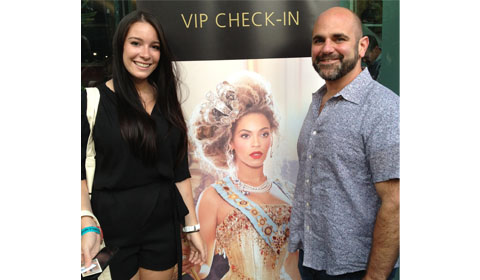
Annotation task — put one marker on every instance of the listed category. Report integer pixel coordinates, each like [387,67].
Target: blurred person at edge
[373,57]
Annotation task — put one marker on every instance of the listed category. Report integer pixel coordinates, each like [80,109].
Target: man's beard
[335,72]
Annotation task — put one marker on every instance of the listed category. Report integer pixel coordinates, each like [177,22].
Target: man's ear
[362,46]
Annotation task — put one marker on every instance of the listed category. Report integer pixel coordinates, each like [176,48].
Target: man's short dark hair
[372,42]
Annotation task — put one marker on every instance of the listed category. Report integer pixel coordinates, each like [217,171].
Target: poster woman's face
[251,140]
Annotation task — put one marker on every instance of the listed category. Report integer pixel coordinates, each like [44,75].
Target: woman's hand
[90,244]
[198,248]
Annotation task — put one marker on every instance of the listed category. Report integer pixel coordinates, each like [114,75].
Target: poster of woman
[243,163]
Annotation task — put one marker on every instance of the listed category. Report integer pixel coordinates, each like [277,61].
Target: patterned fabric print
[353,144]
[249,256]
[265,226]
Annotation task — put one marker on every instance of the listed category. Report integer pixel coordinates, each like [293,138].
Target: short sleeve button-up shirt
[343,151]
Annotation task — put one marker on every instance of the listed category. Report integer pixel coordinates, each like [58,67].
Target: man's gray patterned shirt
[343,152]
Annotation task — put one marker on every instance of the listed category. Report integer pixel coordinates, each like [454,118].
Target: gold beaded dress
[252,236]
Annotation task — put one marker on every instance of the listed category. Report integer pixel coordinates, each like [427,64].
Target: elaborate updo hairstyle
[214,121]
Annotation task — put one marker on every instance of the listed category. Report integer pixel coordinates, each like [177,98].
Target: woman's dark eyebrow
[250,131]
[140,39]
[134,38]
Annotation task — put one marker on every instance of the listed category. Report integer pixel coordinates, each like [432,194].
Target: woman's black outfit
[138,206]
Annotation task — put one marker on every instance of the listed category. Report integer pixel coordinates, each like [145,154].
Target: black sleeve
[182,171]
[85,131]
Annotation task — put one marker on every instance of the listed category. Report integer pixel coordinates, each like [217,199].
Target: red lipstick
[256,155]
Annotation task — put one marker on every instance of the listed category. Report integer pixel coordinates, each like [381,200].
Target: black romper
[138,207]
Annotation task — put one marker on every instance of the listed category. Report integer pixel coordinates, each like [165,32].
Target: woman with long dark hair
[141,188]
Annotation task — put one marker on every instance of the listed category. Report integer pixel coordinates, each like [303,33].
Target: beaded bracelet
[90,229]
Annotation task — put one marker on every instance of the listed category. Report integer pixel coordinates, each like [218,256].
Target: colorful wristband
[101,233]
[90,229]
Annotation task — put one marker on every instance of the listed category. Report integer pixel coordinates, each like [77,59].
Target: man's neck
[333,87]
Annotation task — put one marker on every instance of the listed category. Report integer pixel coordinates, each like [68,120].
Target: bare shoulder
[209,196]
[212,203]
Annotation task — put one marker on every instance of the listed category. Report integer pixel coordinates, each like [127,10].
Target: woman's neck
[144,88]
[142,85]
[252,176]
[146,92]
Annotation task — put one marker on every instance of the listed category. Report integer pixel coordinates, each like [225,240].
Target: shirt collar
[354,91]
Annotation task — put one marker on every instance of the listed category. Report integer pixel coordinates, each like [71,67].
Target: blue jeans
[308,273]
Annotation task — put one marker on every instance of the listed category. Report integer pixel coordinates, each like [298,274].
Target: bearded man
[345,217]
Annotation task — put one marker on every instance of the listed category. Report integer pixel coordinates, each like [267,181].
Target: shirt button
[309,156]
[314,132]
[308,228]
[307,181]
[308,204]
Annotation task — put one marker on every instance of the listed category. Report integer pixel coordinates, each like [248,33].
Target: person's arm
[198,252]
[386,236]
[207,214]
[90,241]
[291,266]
